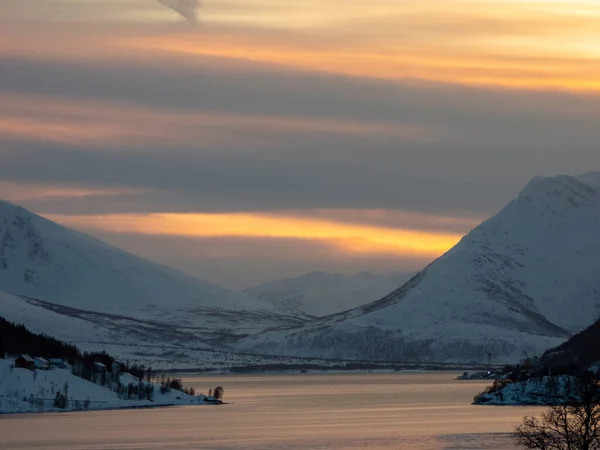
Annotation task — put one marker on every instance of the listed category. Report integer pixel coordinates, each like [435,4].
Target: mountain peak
[574,191]
[591,179]
[322,293]
[523,280]
[8,208]
[44,260]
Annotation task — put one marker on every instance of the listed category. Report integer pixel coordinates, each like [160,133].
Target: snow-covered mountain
[522,281]
[61,281]
[44,260]
[321,293]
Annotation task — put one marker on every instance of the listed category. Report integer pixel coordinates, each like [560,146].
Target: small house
[115,368]
[41,363]
[25,362]
[99,367]
[58,363]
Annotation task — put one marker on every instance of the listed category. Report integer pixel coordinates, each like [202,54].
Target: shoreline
[269,370]
[111,408]
[24,391]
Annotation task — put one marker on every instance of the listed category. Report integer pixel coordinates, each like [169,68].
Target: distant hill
[321,293]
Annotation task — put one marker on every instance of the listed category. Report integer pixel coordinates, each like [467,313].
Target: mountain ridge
[321,293]
[521,282]
[501,289]
[59,281]
[42,259]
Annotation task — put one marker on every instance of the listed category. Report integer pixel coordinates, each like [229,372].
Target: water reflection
[314,411]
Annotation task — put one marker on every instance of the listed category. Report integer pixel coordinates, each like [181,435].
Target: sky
[243,141]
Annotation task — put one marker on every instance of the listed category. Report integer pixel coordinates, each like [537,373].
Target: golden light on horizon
[346,236]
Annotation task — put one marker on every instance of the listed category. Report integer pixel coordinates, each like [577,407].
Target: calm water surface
[310,411]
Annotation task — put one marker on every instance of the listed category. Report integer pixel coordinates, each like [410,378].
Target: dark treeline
[16,339]
[277,367]
[576,357]
[578,354]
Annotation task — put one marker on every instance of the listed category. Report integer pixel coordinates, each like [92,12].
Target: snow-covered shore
[26,391]
[542,391]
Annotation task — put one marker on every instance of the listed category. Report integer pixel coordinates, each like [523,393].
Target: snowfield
[23,390]
[320,294]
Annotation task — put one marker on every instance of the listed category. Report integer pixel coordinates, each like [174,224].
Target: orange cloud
[26,191]
[426,62]
[531,44]
[99,123]
[350,237]
[509,43]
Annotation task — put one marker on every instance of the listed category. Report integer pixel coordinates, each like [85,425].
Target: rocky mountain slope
[321,293]
[523,281]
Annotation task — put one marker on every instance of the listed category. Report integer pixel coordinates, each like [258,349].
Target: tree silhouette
[574,425]
[218,393]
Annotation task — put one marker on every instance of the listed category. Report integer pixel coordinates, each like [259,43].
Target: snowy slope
[542,391]
[22,390]
[43,320]
[320,293]
[46,261]
[524,280]
[58,281]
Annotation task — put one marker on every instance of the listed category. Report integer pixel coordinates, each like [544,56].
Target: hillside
[43,260]
[23,390]
[59,281]
[39,373]
[523,281]
[578,354]
[320,293]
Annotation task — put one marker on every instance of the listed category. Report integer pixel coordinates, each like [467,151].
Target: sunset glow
[352,238]
[381,131]
[524,44]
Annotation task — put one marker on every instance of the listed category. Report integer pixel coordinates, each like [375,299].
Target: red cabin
[25,362]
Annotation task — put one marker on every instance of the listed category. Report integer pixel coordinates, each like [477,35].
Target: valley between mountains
[523,281]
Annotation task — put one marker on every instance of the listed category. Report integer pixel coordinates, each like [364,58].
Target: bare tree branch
[571,426]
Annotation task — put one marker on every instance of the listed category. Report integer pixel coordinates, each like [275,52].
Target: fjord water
[300,411]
